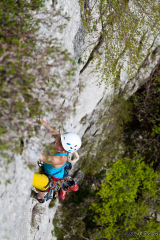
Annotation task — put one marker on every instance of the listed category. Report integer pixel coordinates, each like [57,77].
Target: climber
[54,158]
[43,183]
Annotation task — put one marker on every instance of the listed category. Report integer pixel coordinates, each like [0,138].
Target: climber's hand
[49,128]
[43,122]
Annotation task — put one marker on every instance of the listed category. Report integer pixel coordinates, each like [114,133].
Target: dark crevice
[99,101]
[86,4]
[87,129]
[95,133]
[21,146]
[95,49]
[83,120]
[75,173]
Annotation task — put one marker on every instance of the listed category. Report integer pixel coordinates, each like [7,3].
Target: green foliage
[128,199]
[59,233]
[52,203]
[143,131]
[76,219]
[156,129]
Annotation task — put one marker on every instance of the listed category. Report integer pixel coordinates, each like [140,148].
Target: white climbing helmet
[71,142]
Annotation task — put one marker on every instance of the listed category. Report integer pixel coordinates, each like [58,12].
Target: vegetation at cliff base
[128,200]
[143,133]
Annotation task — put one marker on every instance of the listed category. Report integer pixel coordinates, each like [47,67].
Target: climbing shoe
[66,190]
[62,194]
[74,188]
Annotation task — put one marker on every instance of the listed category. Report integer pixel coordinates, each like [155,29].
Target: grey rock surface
[21,216]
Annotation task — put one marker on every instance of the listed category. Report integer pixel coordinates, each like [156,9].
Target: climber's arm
[49,128]
[44,158]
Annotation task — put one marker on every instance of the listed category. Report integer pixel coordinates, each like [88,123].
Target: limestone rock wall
[21,216]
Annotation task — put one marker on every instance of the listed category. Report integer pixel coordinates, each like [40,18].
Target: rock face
[22,217]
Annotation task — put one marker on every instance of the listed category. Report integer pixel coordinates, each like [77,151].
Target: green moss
[59,233]
[32,166]
[8,181]
[52,203]
[76,218]
[80,60]
[121,29]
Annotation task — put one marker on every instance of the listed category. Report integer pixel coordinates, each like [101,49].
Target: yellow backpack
[40,182]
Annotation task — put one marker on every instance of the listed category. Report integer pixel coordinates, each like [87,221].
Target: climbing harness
[55,186]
